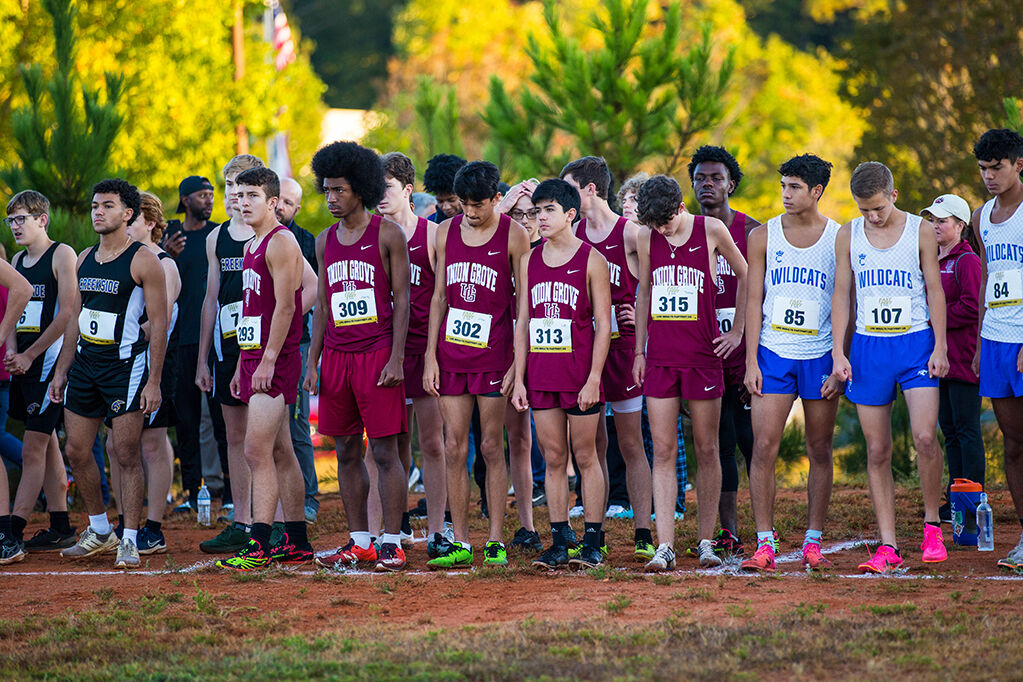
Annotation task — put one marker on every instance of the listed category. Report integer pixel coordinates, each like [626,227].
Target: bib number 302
[467,328]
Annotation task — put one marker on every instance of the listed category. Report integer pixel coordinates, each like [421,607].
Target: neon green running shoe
[644,551]
[573,552]
[249,558]
[494,554]
[451,556]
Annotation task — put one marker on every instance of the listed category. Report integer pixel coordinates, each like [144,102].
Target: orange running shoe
[884,560]
[350,555]
[762,559]
[813,560]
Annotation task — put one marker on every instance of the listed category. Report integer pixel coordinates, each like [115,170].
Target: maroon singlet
[478,280]
[682,341]
[727,286]
[358,292]
[560,323]
[259,301]
[623,282]
[421,279]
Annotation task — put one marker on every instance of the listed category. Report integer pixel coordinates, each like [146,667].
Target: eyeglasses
[519,215]
[19,220]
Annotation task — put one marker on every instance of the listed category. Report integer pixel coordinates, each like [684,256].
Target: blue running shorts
[999,374]
[880,364]
[785,376]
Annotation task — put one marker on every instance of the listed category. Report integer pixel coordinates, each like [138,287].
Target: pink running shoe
[885,559]
[762,559]
[933,545]
[813,560]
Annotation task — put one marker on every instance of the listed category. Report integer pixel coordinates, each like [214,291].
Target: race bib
[249,333]
[614,322]
[669,302]
[548,335]
[796,316]
[726,318]
[467,328]
[230,316]
[1004,289]
[97,326]
[31,317]
[353,307]
[887,314]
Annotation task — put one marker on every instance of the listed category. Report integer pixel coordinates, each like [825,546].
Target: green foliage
[638,96]
[64,134]
[437,116]
[1013,116]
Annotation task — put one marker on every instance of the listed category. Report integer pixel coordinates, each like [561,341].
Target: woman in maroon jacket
[959,409]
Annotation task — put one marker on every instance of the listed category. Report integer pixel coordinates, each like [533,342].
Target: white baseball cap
[949,205]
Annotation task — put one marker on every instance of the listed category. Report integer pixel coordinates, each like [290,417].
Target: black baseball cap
[193,183]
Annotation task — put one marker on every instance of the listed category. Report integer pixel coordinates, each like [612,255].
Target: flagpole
[238,42]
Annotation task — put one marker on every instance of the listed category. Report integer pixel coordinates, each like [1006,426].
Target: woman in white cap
[959,407]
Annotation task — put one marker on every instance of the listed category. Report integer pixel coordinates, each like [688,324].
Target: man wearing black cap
[186,242]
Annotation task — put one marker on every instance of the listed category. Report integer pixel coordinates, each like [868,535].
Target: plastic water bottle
[204,505]
[985,526]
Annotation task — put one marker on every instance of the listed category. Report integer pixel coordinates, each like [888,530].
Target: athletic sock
[261,534]
[765,538]
[296,533]
[5,526]
[241,526]
[932,525]
[391,539]
[18,526]
[593,536]
[1021,521]
[120,520]
[603,540]
[153,526]
[130,534]
[361,538]
[60,522]
[894,549]
[406,524]
[447,517]
[559,531]
[100,523]
[643,535]
[812,537]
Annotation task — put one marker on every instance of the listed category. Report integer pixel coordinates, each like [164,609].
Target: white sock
[362,538]
[465,544]
[100,523]
[130,534]
[391,539]
[765,538]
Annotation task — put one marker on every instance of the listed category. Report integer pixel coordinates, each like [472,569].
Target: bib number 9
[98,326]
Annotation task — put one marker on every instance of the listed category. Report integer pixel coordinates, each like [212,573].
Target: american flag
[284,46]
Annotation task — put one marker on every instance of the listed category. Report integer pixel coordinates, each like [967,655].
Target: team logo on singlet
[863,259]
[231,264]
[778,256]
[117,406]
[468,292]
[550,310]
[348,285]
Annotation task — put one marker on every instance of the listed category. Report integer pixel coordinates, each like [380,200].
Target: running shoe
[49,540]
[276,533]
[945,513]
[408,540]
[391,558]
[553,558]
[570,537]
[708,558]
[575,512]
[494,554]
[664,559]
[453,555]
[884,560]
[539,496]
[127,555]
[433,543]
[587,557]
[933,546]
[151,541]
[230,540]
[727,544]
[89,544]
[615,511]
[287,552]
[573,552]
[762,559]
[448,532]
[418,511]
[813,560]
[1014,561]
[526,542]
[644,551]
[349,555]
[186,507]
[249,558]
[11,549]
[310,513]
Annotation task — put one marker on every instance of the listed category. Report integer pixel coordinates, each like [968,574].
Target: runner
[999,360]
[221,314]
[715,176]
[439,180]
[267,375]
[103,366]
[50,268]
[364,290]
[681,359]
[471,362]
[561,340]
[788,350]
[614,237]
[888,258]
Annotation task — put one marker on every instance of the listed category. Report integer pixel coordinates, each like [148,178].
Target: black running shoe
[570,539]
[286,552]
[553,558]
[588,557]
[50,540]
[526,542]
[539,496]
[418,511]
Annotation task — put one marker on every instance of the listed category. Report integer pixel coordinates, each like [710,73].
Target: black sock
[559,533]
[18,526]
[643,535]
[120,520]
[296,533]
[5,526]
[896,549]
[932,525]
[406,524]
[261,534]
[447,517]
[603,540]
[592,535]
[153,526]
[60,522]
[1021,522]
[241,526]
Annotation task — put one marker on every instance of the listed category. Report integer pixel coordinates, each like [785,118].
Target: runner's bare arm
[642,306]
[721,242]
[70,342]
[518,247]
[392,238]
[631,234]
[309,291]
[937,365]
[67,290]
[756,251]
[599,281]
[841,304]
[284,261]
[438,309]
[519,398]
[147,271]
[208,314]
[320,314]
[19,291]
[975,364]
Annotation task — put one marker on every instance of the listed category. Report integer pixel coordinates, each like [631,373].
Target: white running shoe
[90,543]
[707,556]
[1015,559]
[127,555]
[449,532]
[664,559]
[575,512]
[615,510]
